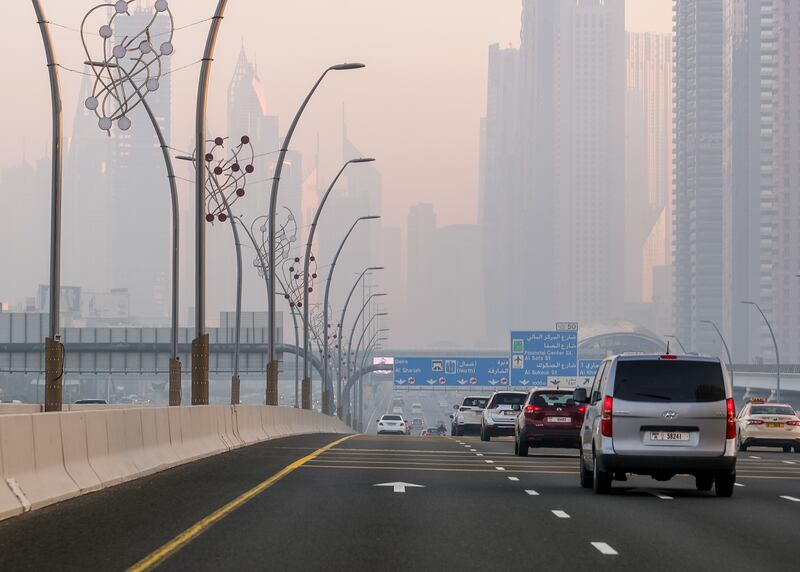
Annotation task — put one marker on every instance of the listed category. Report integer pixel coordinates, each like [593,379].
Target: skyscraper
[761,148]
[698,178]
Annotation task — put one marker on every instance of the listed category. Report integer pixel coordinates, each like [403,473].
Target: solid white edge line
[604,548]
[532,493]
[560,513]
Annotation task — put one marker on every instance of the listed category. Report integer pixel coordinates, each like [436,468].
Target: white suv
[391,423]
[500,415]
[468,415]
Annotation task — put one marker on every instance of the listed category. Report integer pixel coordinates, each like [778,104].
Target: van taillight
[730,431]
[606,429]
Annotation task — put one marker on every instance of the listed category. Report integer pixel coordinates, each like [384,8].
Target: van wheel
[723,484]
[586,476]
[704,482]
[601,480]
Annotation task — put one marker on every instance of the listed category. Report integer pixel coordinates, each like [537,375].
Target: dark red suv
[549,418]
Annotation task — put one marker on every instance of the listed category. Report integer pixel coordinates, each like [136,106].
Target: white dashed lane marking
[793,499]
[738,484]
[488,461]
[479,454]
[604,548]
[532,493]
[560,513]
[513,478]
[500,468]
[662,497]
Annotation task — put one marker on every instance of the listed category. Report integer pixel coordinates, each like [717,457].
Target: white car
[391,423]
[500,415]
[768,425]
[416,408]
[397,410]
[468,415]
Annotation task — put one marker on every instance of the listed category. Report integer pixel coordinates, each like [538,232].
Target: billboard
[450,372]
[544,358]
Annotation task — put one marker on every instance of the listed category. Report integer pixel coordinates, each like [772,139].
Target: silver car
[659,415]
[500,415]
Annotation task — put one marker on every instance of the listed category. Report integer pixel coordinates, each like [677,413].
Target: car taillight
[755,422]
[532,408]
[730,432]
[581,409]
[606,428]
[793,423]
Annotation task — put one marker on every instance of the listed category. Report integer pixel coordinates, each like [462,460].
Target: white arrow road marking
[532,493]
[604,548]
[399,487]
[560,513]
[793,499]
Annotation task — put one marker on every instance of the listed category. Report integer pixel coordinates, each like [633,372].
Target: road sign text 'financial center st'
[544,358]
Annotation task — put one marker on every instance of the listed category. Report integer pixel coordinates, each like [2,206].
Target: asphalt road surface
[476,507]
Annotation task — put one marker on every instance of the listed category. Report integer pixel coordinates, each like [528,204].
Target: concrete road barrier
[76,452]
[49,457]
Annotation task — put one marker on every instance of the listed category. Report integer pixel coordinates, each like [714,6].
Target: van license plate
[669,436]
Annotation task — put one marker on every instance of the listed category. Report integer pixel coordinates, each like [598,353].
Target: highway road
[321,502]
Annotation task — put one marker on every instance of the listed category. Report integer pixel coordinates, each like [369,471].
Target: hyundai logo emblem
[670,414]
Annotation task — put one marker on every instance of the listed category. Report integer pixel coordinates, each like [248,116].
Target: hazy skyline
[430,90]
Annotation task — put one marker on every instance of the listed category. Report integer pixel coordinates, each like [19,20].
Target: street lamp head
[380,294]
[748,302]
[184,158]
[375,268]
[346,66]
[362,160]
[382,314]
[370,217]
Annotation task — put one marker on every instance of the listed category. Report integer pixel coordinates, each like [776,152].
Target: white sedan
[391,423]
[769,425]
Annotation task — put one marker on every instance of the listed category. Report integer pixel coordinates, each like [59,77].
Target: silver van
[659,415]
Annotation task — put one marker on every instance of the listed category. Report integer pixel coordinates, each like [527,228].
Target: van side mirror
[580,395]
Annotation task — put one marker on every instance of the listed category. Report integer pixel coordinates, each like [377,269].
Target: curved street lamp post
[339,364]
[775,344]
[272,362]
[353,330]
[724,345]
[306,399]
[325,307]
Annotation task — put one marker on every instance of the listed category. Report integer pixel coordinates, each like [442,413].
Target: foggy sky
[416,107]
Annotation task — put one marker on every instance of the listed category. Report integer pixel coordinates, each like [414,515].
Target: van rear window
[669,381]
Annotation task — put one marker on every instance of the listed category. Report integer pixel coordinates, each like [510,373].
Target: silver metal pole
[272,365]
[775,344]
[200,351]
[54,350]
[339,405]
[327,382]
[306,289]
[352,331]
[724,345]
[235,383]
[174,383]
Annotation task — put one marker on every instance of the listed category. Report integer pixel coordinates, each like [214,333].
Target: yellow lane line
[477,463]
[488,470]
[174,545]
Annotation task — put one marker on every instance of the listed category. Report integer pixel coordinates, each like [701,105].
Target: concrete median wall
[49,457]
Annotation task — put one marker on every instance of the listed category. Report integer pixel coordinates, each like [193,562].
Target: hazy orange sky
[416,107]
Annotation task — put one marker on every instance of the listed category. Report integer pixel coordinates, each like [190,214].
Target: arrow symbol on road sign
[525,381]
[400,381]
[493,381]
[462,382]
[399,487]
[430,381]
